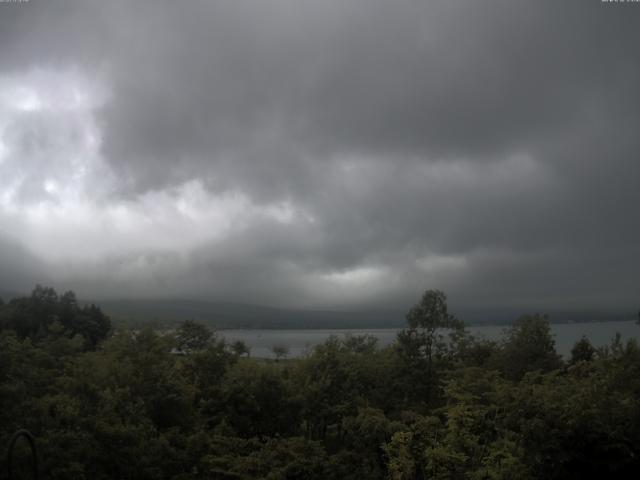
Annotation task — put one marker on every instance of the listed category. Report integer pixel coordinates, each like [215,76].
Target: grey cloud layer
[489,148]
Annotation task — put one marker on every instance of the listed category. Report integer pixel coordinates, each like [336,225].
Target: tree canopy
[109,403]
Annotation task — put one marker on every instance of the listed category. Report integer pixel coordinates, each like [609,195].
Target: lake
[301,341]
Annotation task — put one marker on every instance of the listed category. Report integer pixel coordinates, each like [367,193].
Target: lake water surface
[301,341]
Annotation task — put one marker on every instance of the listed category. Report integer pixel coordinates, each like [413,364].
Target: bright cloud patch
[59,195]
[355,276]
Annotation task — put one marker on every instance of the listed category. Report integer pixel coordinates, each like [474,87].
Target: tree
[424,342]
[582,351]
[276,458]
[528,346]
[36,315]
[91,323]
[428,318]
[240,348]
[192,336]
[257,401]
[280,351]
[360,344]
[30,316]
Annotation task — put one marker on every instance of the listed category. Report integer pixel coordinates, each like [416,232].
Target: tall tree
[431,335]
[528,346]
[193,336]
[240,347]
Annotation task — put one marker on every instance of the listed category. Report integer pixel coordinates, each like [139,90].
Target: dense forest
[106,403]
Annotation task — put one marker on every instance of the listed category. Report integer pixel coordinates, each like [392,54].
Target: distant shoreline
[378,327]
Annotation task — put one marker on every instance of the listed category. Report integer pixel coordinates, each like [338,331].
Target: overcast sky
[323,154]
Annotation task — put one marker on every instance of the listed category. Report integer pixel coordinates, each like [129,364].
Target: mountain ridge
[228,315]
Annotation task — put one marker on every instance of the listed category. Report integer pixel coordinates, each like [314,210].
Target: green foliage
[273,459]
[240,348]
[432,313]
[192,336]
[44,312]
[256,401]
[529,346]
[437,404]
[582,351]
[433,340]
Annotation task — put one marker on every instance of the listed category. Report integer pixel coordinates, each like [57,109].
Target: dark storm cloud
[489,148]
